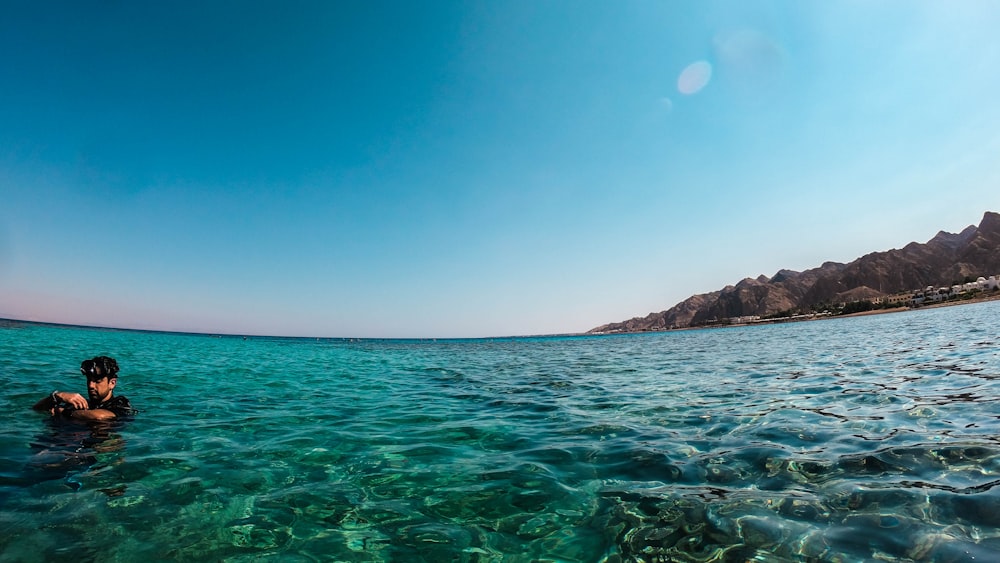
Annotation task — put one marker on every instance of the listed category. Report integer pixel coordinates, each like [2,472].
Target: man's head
[102,376]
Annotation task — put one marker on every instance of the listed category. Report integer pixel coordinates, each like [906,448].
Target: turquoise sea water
[872,438]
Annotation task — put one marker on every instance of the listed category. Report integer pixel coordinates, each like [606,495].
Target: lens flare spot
[694,77]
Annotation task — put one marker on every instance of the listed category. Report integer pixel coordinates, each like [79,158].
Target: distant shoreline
[992,296]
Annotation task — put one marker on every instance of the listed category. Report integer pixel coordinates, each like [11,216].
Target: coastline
[992,296]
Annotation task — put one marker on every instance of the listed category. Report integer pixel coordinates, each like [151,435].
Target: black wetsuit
[118,405]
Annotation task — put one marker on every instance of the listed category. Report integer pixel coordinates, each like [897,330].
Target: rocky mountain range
[945,259]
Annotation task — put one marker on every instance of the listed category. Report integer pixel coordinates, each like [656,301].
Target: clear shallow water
[841,440]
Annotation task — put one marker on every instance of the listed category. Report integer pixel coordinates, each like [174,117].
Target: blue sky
[445,169]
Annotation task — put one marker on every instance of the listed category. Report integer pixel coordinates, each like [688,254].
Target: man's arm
[49,403]
[92,414]
[113,408]
[46,404]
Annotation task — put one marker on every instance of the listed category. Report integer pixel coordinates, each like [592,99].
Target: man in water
[102,376]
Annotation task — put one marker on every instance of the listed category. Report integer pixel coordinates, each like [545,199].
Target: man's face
[99,388]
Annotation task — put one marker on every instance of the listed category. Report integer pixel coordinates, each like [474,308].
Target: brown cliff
[941,261]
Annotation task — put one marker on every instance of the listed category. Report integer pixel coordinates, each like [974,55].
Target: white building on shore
[931,294]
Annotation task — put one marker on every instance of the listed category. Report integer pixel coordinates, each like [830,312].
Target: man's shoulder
[120,405]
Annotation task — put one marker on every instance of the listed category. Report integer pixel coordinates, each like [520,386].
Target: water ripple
[873,438]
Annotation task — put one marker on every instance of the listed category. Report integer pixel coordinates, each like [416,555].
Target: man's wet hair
[106,366]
